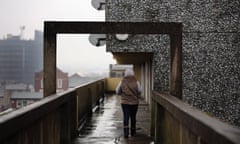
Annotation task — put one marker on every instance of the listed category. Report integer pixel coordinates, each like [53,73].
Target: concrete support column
[49,69]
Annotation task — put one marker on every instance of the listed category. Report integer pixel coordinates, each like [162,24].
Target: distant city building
[16,95]
[62,81]
[20,59]
[117,70]
[76,80]
[5,102]
[19,87]
[21,99]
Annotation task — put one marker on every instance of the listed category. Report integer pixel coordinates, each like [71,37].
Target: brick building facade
[62,81]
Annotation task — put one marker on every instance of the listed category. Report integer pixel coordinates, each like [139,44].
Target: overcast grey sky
[74,55]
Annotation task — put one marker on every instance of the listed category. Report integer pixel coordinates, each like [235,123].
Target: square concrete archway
[52,28]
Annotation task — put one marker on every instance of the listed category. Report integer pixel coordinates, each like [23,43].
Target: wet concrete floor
[105,125]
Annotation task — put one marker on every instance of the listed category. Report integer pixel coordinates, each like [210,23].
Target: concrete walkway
[105,126]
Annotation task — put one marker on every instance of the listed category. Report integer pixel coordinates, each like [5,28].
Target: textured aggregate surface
[211,49]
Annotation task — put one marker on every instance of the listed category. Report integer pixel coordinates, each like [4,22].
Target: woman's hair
[129,72]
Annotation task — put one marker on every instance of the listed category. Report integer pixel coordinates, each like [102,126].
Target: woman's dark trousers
[129,112]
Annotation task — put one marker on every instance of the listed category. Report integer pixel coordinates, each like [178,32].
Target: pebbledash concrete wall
[211,48]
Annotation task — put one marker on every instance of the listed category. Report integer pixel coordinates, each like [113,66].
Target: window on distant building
[24,102]
[59,83]
[41,83]
[19,104]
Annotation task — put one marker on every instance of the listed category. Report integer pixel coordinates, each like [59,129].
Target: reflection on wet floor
[105,126]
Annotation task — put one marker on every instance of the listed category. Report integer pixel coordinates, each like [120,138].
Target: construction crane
[22,28]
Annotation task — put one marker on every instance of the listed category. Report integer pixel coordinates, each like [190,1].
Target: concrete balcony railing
[52,120]
[175,122]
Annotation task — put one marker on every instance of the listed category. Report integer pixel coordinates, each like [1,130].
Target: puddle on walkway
[105,126]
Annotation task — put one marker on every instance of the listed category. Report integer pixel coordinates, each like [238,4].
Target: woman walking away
[130,90]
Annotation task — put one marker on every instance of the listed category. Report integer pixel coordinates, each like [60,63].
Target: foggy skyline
[32,14]
[74,51]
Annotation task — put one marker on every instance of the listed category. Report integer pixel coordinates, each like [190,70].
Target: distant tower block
[99,4]
[97,39]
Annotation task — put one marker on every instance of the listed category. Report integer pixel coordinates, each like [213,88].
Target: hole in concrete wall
[80,60]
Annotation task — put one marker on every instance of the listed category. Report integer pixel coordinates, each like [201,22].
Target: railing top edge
[191,117]
[88,83]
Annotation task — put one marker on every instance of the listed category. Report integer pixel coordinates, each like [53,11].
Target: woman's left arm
[118,88]
[139,89]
